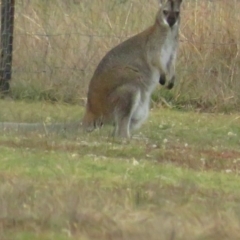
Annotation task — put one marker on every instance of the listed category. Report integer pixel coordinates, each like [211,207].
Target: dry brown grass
[209,54]
[59,43]
[87,211]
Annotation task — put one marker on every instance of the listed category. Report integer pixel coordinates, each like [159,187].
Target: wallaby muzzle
[171,19]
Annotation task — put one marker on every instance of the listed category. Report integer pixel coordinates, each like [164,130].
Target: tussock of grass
[59,44]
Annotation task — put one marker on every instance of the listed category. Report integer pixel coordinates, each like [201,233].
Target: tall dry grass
[59,43]
[208,65]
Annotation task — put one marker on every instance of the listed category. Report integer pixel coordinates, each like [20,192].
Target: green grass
[109,170]
[178,178]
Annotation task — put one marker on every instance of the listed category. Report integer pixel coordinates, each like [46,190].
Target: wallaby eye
[165,12]
[177,13]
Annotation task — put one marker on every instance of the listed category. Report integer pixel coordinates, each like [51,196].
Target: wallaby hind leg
[140,114]
[122,127]
[126,99]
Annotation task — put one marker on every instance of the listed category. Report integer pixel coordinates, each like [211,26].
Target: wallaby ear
[160,2]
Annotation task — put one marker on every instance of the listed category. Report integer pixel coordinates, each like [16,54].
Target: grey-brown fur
[122,84]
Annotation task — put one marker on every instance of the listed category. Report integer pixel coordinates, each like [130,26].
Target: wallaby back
[123,81]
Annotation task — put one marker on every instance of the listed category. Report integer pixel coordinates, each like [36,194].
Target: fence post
[7,26]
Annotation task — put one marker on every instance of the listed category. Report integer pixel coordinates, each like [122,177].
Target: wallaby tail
[90,121]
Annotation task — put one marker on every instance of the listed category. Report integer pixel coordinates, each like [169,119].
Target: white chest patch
[168,49]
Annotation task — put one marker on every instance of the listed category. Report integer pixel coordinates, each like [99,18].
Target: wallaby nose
[171,20]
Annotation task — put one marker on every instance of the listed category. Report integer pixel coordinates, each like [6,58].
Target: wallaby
[121,87]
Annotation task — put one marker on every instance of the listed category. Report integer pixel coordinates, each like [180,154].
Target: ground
[177,178]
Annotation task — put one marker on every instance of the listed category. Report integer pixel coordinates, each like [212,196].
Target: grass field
[178,178]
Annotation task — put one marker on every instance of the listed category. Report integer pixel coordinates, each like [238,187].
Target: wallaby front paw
[162,79]
[171,83]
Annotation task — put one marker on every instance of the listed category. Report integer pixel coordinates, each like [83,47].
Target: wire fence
[58,44]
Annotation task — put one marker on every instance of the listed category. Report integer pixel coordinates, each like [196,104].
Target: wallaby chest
[168,49]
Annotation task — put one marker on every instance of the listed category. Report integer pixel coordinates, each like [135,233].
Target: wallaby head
[169,13]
